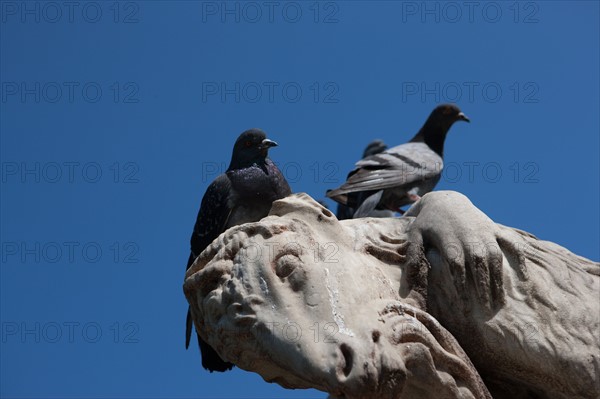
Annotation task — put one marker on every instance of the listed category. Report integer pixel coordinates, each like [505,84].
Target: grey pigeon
[400,175]
[345,212]
[243,194]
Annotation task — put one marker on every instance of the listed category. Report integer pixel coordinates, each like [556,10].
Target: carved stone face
[300,297]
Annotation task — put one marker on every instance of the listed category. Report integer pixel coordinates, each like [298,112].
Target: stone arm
[526,311]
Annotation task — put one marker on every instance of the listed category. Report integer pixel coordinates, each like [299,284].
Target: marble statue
[442,303]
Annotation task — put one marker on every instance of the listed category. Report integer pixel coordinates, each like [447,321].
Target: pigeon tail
[368,205]
[188,328]
[211,361]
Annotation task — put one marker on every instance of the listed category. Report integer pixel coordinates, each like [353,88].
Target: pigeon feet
[414,197]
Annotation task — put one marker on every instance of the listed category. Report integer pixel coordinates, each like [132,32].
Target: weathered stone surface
[400,308]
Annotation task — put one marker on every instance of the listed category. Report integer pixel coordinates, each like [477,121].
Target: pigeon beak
[266,144]
[463,117]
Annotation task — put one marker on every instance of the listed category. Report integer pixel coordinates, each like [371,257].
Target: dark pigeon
[345,212]
[401,175]
[243,194]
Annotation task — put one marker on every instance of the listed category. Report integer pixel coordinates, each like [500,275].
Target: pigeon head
[252,146]
[446,114]
[434,131]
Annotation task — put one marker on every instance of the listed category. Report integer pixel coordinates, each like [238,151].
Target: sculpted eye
[286,265]
[290,268]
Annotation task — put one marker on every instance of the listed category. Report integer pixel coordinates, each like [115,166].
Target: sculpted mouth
[243,314]
[244,320]
[240,317]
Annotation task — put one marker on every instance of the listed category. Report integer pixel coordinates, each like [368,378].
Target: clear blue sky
[115,117]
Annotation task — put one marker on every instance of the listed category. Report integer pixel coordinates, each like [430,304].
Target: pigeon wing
[210,222]
[212,216]
[402,165]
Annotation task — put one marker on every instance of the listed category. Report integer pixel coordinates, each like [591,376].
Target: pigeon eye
[248,144]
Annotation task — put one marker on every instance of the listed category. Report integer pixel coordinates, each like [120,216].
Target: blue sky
[116,116]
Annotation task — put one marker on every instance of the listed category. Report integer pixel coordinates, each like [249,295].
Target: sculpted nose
[346,361]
